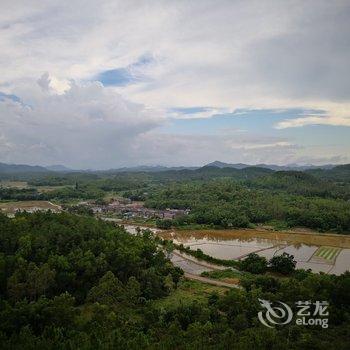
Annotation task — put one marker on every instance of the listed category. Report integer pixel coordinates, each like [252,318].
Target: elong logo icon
[274,315]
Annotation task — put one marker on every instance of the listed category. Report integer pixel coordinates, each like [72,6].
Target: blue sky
[124,76]
[115,77]
[256,121]
[122,83]
[262,123]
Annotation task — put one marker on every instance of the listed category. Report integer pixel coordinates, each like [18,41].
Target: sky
[105,84]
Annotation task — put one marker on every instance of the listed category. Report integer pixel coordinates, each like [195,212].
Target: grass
[278,225]
[222,274]
[124,311]
[227,276]
[188,292]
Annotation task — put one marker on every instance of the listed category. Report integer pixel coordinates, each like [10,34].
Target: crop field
[45,189]
[327,253]
[14,184]
[12,207]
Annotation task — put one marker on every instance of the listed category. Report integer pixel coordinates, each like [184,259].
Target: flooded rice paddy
[318,252]
[328,253]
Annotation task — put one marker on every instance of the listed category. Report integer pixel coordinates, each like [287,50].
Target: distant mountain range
[150,168]
[221,165]
[23,168]
[58,168]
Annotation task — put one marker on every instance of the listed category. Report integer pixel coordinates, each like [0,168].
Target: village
[127,209]
[119,207]
[122,208]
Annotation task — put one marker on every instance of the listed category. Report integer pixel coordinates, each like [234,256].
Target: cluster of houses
[122,207]
[129,209]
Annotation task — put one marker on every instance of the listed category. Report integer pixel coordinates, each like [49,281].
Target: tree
[284,264]
[254,263]
[132,290]
[31,281]
[169,248]
[108,291]
[164,224]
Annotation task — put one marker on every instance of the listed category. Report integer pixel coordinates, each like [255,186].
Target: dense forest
[226,203]
[70,282]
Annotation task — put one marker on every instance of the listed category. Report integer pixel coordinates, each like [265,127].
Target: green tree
[108,291]
[132,290]
[164,224]
[283,263]
[254,263]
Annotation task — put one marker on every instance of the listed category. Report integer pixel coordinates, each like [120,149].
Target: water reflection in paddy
[318,252]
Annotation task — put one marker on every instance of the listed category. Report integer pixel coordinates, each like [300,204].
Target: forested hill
[302,183]
[327,170]
[340,173]
[70,282]
[226,203]
[61,273]
[209,172]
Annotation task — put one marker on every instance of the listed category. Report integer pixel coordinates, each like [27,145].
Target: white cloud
[224,54]
[85,125]
[90,126]
[207,112]
[172,149]
[256,146]
[333,114]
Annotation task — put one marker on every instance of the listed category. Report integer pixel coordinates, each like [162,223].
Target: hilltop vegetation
[340,173]
[300,183]
[226,203]
[70,282]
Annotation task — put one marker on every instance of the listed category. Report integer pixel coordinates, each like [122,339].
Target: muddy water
[318,252]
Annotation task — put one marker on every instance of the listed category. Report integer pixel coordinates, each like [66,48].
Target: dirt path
[193,269]
[211,281]
[55,205]
[197,262]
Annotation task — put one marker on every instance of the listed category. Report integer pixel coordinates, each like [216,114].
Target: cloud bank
[88,125]
[119,69]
